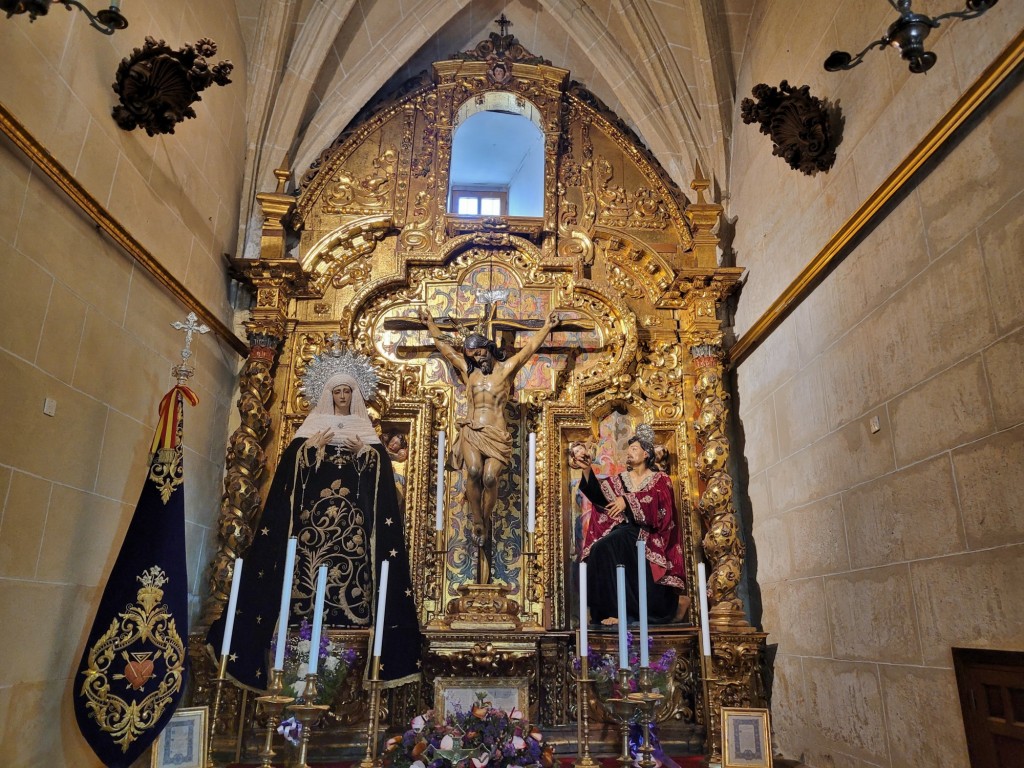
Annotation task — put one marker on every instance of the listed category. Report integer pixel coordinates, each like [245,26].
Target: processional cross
[183,372]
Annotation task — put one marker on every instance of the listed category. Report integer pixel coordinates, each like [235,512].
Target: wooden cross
[490,326]
[503,24]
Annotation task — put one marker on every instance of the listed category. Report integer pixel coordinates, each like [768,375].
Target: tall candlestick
[620,596]
[382,593]
[641,575]
[318,620]
[286,603]
[705,620]
[229,626]
[583,609]
[531,520]
[439,510]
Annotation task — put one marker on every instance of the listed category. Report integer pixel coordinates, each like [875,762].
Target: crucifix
[483,445]
[503,24]
[183,371]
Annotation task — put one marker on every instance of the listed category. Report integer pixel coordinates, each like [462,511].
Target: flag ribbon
[166,436]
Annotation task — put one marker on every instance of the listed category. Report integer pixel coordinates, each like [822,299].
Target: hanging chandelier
[907,35]
[107,20]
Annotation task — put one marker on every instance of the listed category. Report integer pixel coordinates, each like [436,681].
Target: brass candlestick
[582,714]
[273,704]
[707,678]
[222,674]
[647,703]
[307,712]
[372,729]
[623,709]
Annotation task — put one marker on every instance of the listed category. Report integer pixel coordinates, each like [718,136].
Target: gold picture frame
[746,738]
[182,744]
[463,692]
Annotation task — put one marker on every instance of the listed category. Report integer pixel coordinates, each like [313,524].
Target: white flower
[303,648]
[303,671]
[331,663]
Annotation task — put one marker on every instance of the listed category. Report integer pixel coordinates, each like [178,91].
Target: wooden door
[991,687]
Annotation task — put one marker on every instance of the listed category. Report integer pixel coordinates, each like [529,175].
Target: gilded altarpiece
[627,260]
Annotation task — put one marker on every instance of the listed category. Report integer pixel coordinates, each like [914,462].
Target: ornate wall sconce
[107,21]
[805,130]
[157,86]
[907,35]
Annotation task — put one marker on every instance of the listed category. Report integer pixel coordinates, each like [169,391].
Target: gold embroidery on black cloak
[332,530]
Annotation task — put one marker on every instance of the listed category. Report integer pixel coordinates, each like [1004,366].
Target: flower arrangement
[333,667]
[484,736]
[604,669]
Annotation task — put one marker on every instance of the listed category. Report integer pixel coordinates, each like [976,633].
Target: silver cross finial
[191,326]
[335,341]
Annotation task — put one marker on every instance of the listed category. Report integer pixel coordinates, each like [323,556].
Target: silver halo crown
[645,436]
[334,361]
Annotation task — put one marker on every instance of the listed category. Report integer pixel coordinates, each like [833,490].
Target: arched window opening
[497,166]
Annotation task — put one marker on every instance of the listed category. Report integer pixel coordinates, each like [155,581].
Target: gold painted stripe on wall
[38,154]
[833,252]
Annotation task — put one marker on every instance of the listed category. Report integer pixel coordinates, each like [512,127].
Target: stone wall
[879,550]
[82,324]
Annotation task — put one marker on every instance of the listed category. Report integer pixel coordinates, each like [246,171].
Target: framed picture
[183,742]
[746,738]
[462,693]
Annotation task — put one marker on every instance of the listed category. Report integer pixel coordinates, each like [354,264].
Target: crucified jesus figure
[483,445]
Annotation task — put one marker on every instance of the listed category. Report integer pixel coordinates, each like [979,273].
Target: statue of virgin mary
[334,490]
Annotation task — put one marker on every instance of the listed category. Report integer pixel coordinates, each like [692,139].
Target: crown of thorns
[332,362]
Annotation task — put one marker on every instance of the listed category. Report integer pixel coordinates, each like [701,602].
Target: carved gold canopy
[619,251]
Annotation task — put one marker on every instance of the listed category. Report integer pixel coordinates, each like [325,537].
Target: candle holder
[307,712]
[583,715]
[273,704]
[373,727]
[222,675]
[647,703]
[623,709]
[707,679]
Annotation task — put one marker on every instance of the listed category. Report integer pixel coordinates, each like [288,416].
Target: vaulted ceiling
[667,68]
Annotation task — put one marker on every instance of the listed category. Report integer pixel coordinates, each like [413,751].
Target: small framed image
[182,744]
[462,693]
[746,738]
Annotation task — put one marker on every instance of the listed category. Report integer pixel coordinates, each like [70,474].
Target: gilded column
[273,277]
[240,502]
[722,545]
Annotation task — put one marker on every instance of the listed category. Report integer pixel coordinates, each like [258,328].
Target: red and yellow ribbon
[167,429]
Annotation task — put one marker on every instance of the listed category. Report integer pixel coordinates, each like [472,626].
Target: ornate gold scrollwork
[641,209]
[370,194]
[659,378]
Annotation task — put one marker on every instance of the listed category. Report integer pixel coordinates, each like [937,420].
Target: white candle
[382,594]
[705,620]
[318,620]
[531,520]
[583,610]
[620,596]
[439,510]
[641,575]
[229,627]
[286,603]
